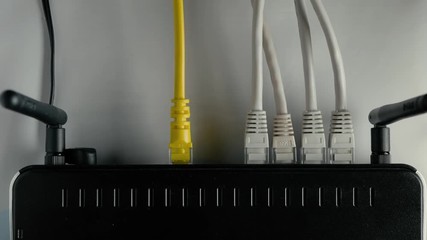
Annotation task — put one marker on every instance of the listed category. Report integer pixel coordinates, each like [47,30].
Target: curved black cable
[49,23]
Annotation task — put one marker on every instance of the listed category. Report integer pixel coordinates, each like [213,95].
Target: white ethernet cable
[257,27]
[275,74]
[336,57]
[284,146]
[341,135]
[313,141]
[256,134]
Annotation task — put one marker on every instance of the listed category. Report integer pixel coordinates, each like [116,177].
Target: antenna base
[54,159]
[380,145]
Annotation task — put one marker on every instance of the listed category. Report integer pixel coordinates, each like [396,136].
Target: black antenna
[43,112]
[382,116]
[52,116]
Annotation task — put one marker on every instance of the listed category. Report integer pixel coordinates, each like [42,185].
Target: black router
[76,199]
[70,197]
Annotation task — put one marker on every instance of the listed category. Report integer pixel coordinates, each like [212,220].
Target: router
[73,198]
[218,202]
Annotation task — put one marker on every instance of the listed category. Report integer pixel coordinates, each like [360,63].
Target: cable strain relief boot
[313,141]
[181,146]
[341,138]
[256,138]
[284,146]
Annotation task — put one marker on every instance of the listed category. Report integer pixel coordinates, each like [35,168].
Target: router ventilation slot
[235,197]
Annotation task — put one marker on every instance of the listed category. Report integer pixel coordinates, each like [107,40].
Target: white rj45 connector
[256,138]
[341,138]
[313,141]
[284,146]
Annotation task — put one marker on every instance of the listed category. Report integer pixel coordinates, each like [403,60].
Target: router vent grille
[235,197]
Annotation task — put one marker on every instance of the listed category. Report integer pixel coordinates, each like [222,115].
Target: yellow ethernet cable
[179,49]
[180,147]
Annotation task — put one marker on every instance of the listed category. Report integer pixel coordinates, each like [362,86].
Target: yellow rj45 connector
[180,147]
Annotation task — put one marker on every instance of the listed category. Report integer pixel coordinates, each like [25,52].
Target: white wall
[115,74]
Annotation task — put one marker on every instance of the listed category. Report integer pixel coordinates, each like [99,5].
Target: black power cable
[49,23]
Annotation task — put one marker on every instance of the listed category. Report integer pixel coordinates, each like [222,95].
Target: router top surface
[218,202]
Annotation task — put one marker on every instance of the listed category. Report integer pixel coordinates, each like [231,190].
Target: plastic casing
[218,202]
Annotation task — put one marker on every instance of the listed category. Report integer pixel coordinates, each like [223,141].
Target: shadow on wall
[4,225]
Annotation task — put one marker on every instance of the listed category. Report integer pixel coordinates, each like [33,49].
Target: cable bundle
[341,136]
[257,144]
[313,140]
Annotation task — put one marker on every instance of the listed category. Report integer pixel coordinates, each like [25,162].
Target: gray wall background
[115,75]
